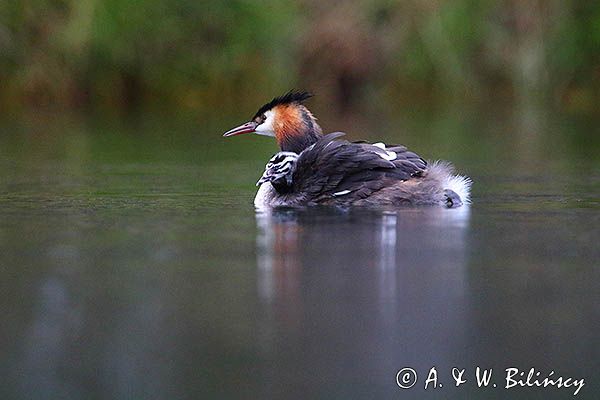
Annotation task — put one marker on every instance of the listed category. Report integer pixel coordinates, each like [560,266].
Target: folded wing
[335,168]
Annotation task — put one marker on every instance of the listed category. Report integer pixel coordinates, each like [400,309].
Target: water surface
[133,265]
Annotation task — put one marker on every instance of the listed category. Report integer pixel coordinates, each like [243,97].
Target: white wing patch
[389,155]
[343,192]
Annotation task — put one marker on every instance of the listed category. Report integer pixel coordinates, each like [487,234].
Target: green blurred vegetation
[191,54]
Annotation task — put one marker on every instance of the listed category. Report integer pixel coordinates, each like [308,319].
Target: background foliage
[190,54]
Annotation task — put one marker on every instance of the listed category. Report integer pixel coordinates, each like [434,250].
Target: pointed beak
[248,127]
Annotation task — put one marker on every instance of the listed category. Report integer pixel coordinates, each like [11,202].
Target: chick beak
[266,177]
[248,127]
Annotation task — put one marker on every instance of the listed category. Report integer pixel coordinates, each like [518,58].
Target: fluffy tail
[459,184]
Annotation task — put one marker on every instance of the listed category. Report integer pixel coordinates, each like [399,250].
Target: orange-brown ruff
[315,169]
[291,124]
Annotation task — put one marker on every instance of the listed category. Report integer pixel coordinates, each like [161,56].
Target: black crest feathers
[290,97]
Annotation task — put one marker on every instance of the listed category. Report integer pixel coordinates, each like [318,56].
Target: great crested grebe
[313,168]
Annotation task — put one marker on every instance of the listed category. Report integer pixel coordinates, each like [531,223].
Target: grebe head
[279,171]
[285,118]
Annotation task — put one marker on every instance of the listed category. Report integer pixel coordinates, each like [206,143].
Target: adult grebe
[313,168]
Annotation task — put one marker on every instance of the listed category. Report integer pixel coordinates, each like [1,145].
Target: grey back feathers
[355,170]
[338,168]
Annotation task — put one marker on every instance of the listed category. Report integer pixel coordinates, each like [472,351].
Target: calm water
[133,265]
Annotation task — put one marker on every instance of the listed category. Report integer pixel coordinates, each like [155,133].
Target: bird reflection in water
[384,287]
[287,237]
